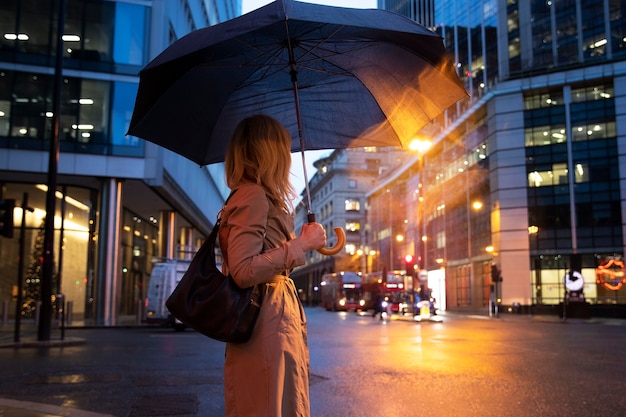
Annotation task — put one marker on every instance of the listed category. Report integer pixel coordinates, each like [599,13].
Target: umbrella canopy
[335,77]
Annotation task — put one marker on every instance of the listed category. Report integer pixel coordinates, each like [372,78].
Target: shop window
[74,238]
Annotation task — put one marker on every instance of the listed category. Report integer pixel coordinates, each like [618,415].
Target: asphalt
[28,339]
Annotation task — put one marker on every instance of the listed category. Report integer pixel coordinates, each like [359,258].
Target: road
[463,366]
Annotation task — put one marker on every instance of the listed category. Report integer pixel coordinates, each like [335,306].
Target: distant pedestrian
[378,306]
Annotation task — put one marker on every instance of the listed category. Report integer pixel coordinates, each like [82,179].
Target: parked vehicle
[163,279]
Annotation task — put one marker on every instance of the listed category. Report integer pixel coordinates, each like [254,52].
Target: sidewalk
[28,337]
[13,408]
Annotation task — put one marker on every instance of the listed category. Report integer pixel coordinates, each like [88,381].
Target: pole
[43,332]
[468,210]
[20,269]
[61,237]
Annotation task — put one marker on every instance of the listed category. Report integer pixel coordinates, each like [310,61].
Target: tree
[32,280]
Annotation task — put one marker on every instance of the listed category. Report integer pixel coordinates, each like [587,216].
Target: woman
[267,376]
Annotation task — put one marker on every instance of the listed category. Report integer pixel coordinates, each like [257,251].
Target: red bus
[342,291]
[398,287]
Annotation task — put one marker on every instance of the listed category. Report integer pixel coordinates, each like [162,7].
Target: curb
[68,341]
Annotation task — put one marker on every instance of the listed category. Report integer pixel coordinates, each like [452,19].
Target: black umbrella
[335,77]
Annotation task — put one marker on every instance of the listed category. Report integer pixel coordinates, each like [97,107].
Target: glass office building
[527,175]
[121,202]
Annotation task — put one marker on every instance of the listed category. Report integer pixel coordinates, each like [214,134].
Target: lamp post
[43,331]
[421,146]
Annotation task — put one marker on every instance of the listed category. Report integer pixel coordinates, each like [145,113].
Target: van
[163,279]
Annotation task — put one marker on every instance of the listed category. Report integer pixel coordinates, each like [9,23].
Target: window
[85,126]
[353,226]
[129,34]
[556,176]
[123,99]
[353,205]
[441,240]
[350,248]
[593,131]
[592,93]
[545,135]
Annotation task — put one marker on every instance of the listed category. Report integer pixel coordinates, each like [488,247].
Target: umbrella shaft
[296,98]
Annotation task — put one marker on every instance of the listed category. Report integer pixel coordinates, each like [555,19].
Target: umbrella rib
[270,68]
[274,53]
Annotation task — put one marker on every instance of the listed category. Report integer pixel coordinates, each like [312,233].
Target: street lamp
[421,146]
[365,254]
[476,205]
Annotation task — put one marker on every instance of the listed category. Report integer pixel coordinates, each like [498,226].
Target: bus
[342,291]
[398,287]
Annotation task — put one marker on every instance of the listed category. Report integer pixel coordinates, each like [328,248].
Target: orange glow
[610,274]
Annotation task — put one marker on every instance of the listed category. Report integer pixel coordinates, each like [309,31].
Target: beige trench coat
[268,376]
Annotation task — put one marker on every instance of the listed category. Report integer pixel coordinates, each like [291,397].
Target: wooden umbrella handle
[341,242]
[341,239]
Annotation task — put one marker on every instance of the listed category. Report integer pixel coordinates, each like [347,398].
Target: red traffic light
[408,259]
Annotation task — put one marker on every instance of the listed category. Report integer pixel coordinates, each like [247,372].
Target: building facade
[526,176]
[121,202]
[338,191]
[422,11]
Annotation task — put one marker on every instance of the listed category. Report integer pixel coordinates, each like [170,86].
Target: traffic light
[6,217]
[409,263]
[495,273]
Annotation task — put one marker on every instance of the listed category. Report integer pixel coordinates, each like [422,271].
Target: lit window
[350,248]
[557,176]
[353,205]
[353,226]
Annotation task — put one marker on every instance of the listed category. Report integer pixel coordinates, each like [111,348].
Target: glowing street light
[420,145]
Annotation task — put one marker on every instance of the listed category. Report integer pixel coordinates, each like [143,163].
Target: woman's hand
[312,236]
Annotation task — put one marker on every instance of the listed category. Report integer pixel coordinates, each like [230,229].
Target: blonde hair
[260,152]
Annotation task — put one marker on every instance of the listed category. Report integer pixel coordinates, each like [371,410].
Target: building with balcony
[121,201]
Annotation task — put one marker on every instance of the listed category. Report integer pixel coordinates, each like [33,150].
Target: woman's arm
[243,232]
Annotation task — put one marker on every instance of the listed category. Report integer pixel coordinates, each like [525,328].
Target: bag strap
[219,213]
[215,232]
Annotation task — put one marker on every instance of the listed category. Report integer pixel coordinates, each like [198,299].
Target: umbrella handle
[341,242]
[341,239]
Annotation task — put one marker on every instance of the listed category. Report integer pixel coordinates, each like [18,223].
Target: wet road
[464,366]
